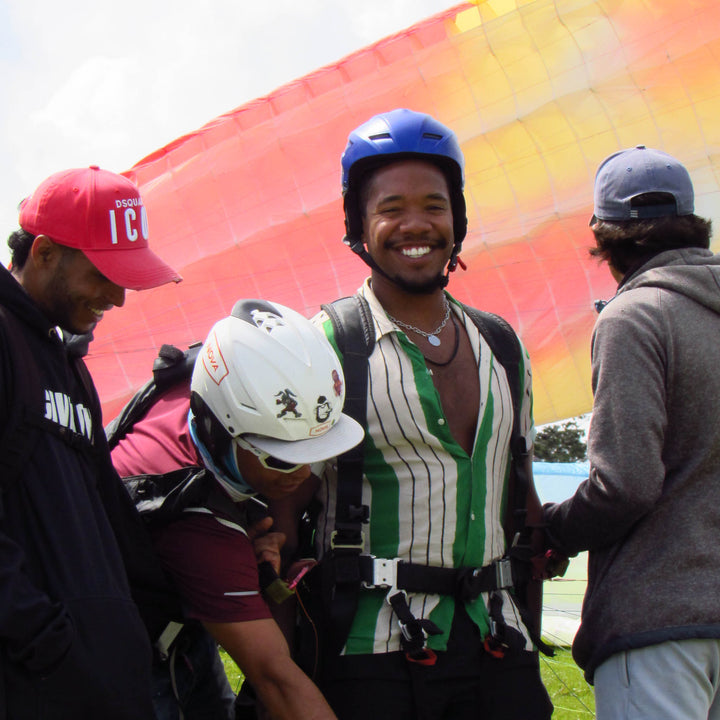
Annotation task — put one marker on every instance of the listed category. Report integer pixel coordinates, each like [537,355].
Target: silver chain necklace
[432,337]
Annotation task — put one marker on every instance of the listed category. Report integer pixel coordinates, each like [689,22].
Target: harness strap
[465,583]
[168,636]
[502,638]
[173,682]
[414,632]
[354,334]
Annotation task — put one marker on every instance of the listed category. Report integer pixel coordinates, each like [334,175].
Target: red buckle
[428,657]
[496,650]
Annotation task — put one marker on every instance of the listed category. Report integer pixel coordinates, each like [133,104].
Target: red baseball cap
[102,214]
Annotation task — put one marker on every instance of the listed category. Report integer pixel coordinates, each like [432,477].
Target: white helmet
[268,374]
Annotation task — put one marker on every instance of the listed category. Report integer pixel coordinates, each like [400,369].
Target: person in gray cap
[649,511]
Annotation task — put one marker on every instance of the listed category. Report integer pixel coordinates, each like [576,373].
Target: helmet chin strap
[227,474]
[358,247]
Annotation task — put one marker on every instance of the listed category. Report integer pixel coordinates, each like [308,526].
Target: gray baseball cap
[639,170]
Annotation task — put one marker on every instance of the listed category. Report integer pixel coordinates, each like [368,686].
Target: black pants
[466,683]
[507,689]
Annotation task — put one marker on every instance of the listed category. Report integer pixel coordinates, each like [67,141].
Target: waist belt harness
[345,570]
[465,583]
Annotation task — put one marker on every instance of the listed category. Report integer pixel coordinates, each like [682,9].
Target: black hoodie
[72,642]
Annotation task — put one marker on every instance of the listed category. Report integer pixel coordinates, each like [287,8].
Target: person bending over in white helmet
[264,402]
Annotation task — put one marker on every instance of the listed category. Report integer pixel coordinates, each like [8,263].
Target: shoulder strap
[355,337]
[161,498]
[505,346]
[171,366]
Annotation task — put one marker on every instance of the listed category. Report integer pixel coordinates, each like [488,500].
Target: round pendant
[434,340]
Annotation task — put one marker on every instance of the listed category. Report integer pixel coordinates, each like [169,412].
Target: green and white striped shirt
[430,503]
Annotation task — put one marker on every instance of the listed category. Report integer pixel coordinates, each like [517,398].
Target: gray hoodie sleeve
[625,443]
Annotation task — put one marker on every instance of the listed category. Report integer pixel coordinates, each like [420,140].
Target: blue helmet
[398,135]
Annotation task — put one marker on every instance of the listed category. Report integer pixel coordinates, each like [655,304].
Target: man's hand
[267,545]
[548,565]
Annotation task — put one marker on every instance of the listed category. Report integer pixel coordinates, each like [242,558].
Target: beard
[422,287]
[63,302]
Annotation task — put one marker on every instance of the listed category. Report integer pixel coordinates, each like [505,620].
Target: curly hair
[626,243]
[20,243]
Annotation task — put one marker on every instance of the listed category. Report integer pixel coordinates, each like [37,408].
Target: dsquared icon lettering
[125,218]
[128,202]
[60,409]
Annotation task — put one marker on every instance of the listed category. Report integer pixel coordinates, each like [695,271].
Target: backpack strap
[170,367]
[505,346]
[355,337]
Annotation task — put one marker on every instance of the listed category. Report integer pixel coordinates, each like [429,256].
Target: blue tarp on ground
[562,597]
[556,482]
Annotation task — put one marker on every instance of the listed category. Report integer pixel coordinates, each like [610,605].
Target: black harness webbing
[170,367]
[345,569]
[355,337]
[505,347]
[465,583]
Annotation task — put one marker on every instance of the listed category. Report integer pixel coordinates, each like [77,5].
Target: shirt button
[441,421]
[472,516]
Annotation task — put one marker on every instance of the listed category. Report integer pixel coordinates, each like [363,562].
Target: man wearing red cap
[72,643]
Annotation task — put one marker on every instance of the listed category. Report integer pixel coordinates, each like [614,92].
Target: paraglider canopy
[537,94]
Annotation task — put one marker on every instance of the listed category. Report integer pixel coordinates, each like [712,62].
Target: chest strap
[465,583]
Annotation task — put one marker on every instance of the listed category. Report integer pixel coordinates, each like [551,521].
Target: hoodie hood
[692,272]
[14,298]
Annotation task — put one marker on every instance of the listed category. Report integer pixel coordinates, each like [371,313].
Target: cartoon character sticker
[288,400]
[323,409]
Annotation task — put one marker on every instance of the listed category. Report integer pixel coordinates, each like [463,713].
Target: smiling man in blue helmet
[649,640]
[418,609]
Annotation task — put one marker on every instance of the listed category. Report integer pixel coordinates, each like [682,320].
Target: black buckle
[471,582]
[414,631]
[347,540]
[503,639]
[354,514]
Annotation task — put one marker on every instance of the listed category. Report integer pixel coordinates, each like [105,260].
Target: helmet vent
[432,136]
[381,136]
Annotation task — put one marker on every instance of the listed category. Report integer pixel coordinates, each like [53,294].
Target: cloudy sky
[106,83]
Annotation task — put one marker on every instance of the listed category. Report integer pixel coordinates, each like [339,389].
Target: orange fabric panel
[538,92]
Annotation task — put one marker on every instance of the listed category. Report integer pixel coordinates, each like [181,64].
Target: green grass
[571,695]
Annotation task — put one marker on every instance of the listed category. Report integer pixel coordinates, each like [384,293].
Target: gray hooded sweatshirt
[649,513]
